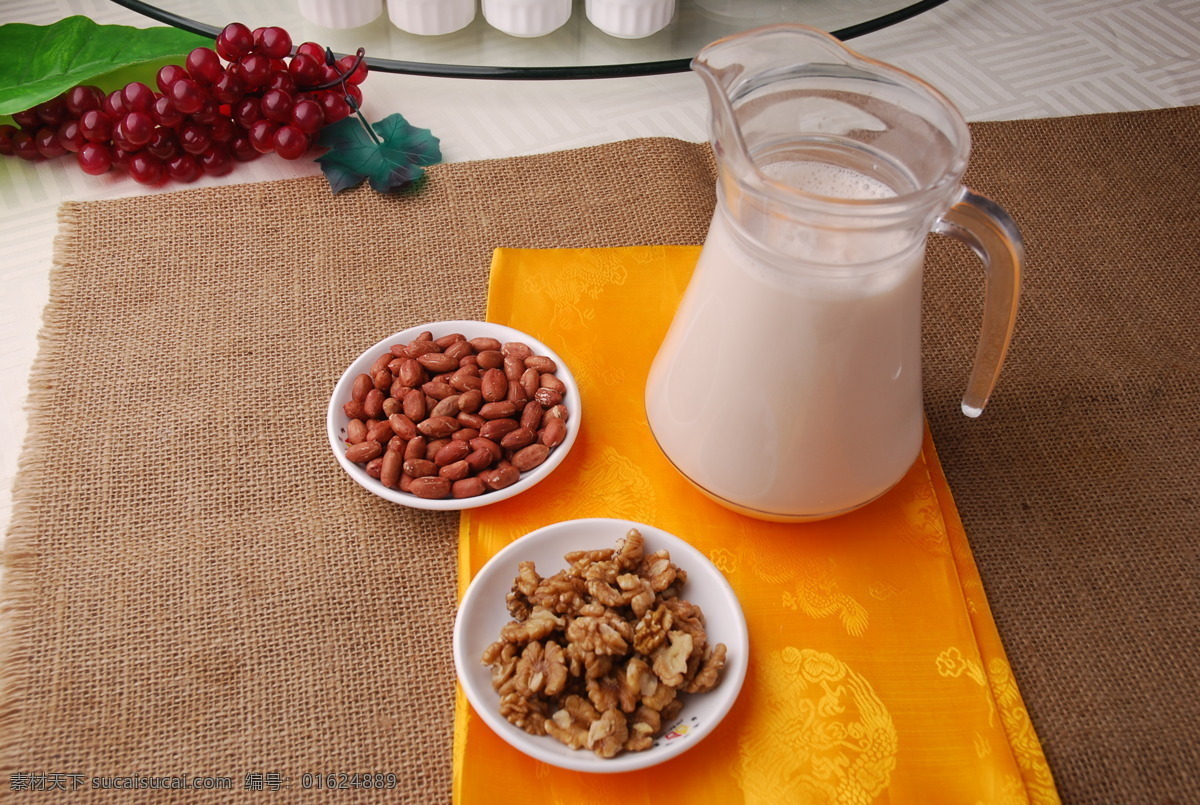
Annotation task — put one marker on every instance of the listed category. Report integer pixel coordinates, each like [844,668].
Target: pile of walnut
[599,652]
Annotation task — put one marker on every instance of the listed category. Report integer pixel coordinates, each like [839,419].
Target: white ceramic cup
[630,19]
[527,17]
[431,17]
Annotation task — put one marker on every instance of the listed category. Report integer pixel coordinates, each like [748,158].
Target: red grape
[52,112]
[120,157]
[145,168]
[163,144]
[223,130]
[24,146]
[194,137]
[70,137]
[183,168]
[186,96]
[255,70]
[165,113]
[46,142]
[228,88]
[290,142]
[277,106]
[312,50]
[282,79]
[138,97]
[6,135]
[262,136]
[95,125]
[27,119]
[305,70]
[234,41]
[138,128]
[307,116]
[95,159]
[168,75]
[216,161]
[82,98]
[242,149]
[360,72]
[120,138]
[207,113]
[114,105]
[273,42]
[334,106]
[204,65]
[247,112]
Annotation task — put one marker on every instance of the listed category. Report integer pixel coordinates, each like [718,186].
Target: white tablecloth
[996,60]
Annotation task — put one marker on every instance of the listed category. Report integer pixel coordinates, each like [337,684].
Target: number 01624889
[342,781]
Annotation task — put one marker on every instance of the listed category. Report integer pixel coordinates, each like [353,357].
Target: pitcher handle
[984,225]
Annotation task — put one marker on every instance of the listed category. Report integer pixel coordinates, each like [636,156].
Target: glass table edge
[625,70]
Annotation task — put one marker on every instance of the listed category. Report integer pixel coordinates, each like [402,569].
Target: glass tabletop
[576,50]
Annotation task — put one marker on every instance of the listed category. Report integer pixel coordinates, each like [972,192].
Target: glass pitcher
[788,386]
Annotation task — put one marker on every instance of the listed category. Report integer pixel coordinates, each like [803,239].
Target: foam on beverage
[830,181]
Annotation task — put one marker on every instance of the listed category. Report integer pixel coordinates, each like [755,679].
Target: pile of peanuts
[454,418]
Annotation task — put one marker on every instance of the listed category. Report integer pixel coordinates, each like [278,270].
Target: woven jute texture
[195,588]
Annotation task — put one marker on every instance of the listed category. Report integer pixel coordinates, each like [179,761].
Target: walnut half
[599,653]
[572,722]
[540,623]
[608,734]
[541,669]
[671,661]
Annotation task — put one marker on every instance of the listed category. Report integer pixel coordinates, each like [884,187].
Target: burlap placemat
[195,588]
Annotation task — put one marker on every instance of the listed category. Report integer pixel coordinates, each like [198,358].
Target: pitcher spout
[781,87]
[739,63]
[721,76]
[752,66]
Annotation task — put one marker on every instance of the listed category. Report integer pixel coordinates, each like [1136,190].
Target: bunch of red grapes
[246,96]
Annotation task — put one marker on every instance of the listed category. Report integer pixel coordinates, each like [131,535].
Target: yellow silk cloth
[876,671]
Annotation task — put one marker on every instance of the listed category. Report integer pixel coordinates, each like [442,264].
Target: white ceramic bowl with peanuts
[344,434]
[482,614]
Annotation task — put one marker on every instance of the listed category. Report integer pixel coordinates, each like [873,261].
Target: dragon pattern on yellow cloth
[876,671]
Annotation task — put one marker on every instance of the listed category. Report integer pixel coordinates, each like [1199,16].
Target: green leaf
[392,160]
[39,62]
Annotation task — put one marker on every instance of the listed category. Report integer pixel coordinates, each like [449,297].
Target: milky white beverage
[791,387]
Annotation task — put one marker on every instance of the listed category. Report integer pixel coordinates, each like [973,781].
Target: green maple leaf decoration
[391,154]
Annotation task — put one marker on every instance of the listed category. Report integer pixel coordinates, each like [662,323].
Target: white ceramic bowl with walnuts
[486,613]
[531,450]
